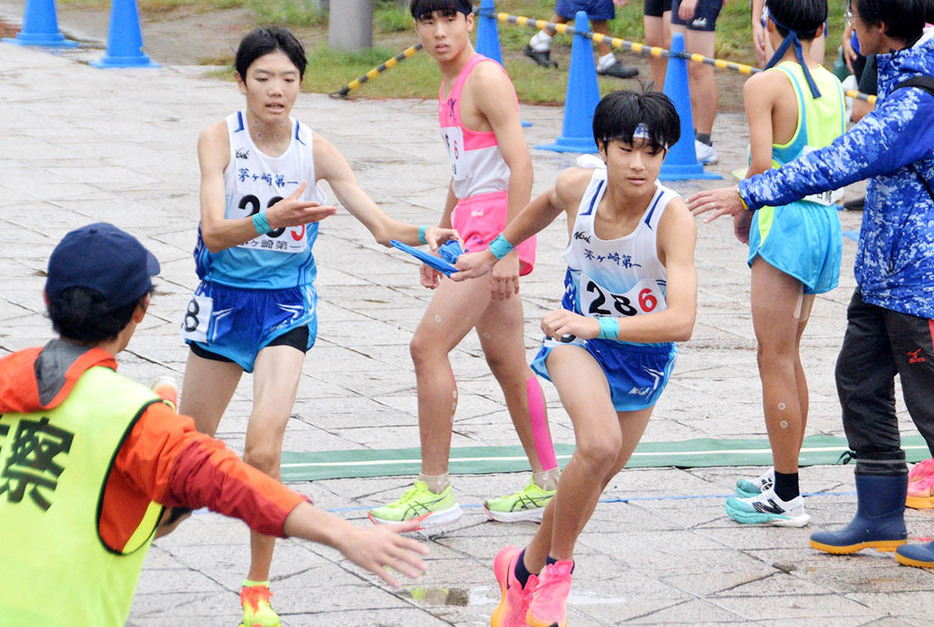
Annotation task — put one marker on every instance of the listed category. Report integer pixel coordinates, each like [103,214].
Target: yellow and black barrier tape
[643,49]
[379,69]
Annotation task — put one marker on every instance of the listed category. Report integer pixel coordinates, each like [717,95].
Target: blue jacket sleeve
[900,131]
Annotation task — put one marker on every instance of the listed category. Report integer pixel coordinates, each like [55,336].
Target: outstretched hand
[381,548]
[293,211]
[722,201]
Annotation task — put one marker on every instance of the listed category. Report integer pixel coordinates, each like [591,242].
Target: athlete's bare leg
[701,80]
[275,383]
[605,440]
[454,310]
[779,314]
[501,333]
[207,389]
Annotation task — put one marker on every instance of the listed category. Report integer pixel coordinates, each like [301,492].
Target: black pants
[880,343]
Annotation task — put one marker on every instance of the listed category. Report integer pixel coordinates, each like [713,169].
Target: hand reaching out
[380,548]
[293,211]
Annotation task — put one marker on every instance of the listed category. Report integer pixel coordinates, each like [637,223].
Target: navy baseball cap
[105,259]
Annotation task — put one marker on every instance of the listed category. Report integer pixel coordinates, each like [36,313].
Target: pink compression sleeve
[540,434]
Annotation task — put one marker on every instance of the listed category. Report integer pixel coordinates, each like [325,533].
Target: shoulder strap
[922,82]
[927,84]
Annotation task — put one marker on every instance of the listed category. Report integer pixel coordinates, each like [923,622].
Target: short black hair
[805,17]
[620,113]
[420,8]
[262,41]
[82,315]
[903,19]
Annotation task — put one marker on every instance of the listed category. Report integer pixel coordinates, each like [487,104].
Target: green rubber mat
[315,465]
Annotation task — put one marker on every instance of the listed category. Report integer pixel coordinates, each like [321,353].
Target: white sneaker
[767,509]
[748,488]
[705,154]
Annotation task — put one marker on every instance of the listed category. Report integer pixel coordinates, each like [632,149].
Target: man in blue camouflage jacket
[890,319]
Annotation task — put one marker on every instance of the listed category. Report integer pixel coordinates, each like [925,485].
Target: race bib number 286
[644,297]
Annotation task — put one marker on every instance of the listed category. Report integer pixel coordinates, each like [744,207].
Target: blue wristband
[609,328]
[421,234]
[260,223]
[500,247]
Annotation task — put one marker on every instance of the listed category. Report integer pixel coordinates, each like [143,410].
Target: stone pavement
[82,145]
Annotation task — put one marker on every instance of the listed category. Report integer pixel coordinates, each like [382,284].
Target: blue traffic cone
[581,98]
[40,27]
[124,38]
[681,161]
[488,32]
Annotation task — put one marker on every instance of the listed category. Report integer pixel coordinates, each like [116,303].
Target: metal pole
[350,24]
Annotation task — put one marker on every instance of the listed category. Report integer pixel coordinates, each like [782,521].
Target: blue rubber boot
[917,555]
[880,518]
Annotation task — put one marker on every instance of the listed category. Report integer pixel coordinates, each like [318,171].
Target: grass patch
[329,70]
[288,12]
[392,17]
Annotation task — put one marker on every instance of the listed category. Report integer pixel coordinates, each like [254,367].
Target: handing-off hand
[435,236]
[292,211]
[381,547]
[562,322]
[722,202]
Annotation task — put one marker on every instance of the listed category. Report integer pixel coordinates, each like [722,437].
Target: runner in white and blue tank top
[255,308]
[619,277]
[630,293]
[269,278]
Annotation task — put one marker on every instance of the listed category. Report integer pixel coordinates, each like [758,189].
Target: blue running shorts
[238,323]
[596,9]
[803,240]
[704,18]
[637,373]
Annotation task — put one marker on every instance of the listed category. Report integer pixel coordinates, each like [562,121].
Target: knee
[264,458]
[773,354]
[422,349]
[695,71]
[504,369]
[699,71]
[599,455]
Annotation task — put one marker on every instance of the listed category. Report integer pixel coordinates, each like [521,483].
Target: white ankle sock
[606,61]
[547,479]
[436,483]
[541,41]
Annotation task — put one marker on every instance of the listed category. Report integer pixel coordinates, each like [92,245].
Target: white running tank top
[254,181]
[618,277]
